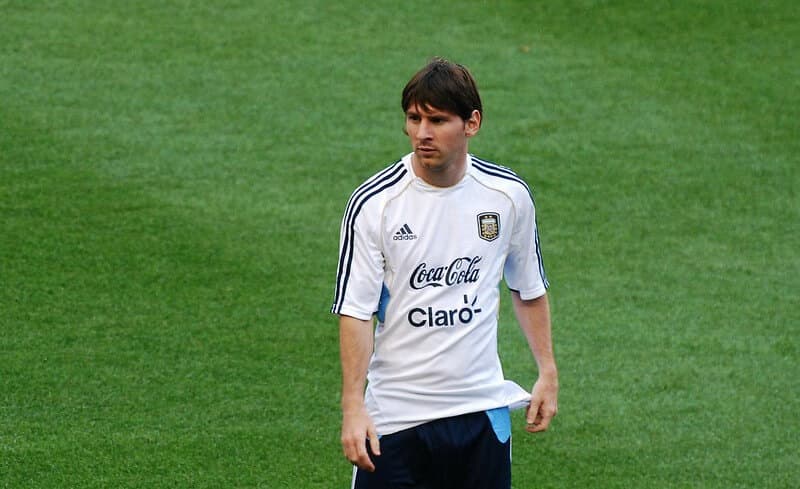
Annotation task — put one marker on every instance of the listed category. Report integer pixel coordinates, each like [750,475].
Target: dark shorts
[471,451]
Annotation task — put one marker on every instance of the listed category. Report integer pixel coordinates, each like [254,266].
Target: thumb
[533,409]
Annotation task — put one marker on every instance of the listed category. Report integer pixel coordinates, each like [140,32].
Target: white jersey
[438,255]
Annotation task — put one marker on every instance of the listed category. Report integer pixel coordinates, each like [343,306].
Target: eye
[413,117]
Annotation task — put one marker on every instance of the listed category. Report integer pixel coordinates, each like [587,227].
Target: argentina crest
[489,225]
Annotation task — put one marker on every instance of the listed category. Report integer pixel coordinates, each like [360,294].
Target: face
[439,140]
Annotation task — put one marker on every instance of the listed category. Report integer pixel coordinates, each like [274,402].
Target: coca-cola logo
[459,271]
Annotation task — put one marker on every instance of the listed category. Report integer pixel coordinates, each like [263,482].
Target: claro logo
[430,317]
[460,271]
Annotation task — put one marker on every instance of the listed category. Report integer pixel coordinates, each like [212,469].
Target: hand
[357,428]
[544,404]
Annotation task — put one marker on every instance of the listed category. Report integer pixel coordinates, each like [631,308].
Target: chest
[439,235]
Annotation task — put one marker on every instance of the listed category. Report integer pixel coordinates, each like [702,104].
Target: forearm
[534,320]
[355,348]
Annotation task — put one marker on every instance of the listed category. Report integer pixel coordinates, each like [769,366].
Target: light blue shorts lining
[501,423]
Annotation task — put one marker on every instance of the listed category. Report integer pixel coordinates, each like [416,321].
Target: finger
[541,424]
[534,424]
[374,441]
[355,451]
[363,461]
[542,420]
[360,458]
[365,464]
[533,410]
[350,450]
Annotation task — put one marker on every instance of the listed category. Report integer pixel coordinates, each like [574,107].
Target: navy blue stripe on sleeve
[382,181]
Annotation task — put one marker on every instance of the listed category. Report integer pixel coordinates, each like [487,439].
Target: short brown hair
[443,85]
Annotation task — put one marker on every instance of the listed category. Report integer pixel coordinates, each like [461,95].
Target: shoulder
[501,178]
[377,188]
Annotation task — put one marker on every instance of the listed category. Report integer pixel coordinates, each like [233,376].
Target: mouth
[425,151]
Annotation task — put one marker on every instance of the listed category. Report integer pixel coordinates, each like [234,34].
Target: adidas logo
[404,234]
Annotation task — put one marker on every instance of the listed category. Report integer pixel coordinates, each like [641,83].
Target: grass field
[172,176]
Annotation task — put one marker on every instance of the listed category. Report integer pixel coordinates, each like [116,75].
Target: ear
[473,124]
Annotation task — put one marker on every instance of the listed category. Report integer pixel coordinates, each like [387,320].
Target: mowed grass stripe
[133,323]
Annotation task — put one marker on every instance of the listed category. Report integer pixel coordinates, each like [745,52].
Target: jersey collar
[418,181]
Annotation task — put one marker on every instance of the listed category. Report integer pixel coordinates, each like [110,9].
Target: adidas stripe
[382,181]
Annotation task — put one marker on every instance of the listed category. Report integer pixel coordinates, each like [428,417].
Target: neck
[445,175]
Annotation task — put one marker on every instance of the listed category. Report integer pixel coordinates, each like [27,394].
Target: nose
[424,130]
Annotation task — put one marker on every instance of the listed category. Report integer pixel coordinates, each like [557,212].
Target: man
[424,244]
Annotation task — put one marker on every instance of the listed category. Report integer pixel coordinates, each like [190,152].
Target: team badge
[489,226]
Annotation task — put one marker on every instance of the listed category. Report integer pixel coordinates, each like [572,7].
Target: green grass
[172,176]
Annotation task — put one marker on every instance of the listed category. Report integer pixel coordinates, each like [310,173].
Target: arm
[355,346]
[534,320]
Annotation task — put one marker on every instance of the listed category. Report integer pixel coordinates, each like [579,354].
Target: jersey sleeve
[524,267]
[359,276]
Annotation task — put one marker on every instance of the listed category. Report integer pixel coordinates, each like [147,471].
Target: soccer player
[424,244]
